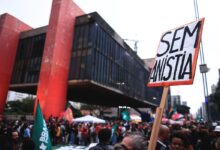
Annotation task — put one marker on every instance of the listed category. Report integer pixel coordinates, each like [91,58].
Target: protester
[199,136]
[104,136]
[133,141]
[178,142]
[12,143]
[28,144]
[217,144]
[58,134]
[163,138]
[73,134]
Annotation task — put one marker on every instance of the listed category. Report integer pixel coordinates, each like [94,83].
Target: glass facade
[99,54]
[28,59]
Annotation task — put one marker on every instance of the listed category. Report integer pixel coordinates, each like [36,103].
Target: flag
[177,116]
[172,111]
[40,134]
[68,115]
[126,115]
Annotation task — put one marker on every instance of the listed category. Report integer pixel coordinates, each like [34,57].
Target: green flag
[40,135]
[126,115]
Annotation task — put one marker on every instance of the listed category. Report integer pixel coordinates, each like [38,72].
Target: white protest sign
[177,55]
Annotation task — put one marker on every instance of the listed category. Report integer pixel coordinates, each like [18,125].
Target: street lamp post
[203,69]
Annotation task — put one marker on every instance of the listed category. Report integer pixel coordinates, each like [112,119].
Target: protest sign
[177,55]
[175,64]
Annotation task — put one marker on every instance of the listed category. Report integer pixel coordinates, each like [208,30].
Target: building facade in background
[175,100]
[76,57]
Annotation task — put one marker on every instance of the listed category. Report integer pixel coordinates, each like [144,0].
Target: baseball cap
[217,129]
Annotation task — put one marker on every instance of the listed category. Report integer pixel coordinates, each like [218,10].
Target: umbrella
[89,118]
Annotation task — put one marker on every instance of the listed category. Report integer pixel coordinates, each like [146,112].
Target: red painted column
[52,86]
[10,28]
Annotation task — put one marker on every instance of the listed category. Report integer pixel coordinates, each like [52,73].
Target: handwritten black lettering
[175,39]
[177,63]
[176,54]
[188,65]
[167,43]
[188,32]
[170,68]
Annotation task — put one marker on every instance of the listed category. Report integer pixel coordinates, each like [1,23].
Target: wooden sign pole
[157,121]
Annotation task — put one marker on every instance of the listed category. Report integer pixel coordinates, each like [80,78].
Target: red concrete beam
[52,86]
[10,29]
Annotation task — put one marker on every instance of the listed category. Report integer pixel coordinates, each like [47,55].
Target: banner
[126,115]
[177,56]
[68,115]
[40,134]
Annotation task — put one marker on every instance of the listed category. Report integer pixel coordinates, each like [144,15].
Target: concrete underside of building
[91,92]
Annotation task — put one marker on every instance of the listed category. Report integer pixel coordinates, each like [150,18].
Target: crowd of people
[117,135]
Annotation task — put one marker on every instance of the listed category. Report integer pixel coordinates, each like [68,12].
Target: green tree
[215,97]
[214,103]
[89,107]
[20,107]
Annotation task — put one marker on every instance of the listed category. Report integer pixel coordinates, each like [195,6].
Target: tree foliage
[215,97]
[20,107]
[89,107]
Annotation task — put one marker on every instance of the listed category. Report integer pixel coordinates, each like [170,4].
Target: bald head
[163,133]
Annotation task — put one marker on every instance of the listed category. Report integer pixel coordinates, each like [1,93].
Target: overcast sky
[145,21]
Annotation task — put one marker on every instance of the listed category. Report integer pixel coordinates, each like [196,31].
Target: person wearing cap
[217,129]
[216,138]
